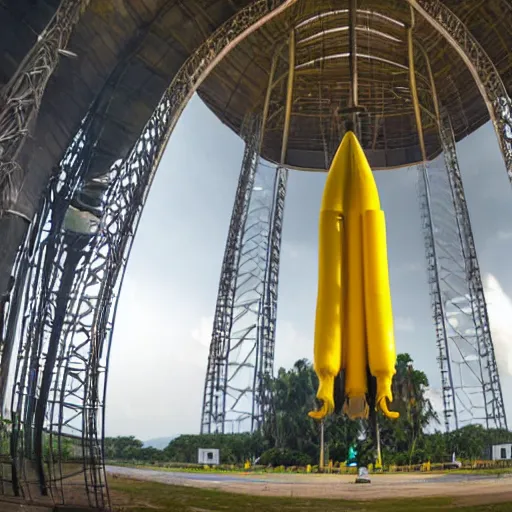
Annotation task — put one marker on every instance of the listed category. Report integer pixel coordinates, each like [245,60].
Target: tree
[416,413]
[234,448]
[123,447]
[293,396]
[290,437]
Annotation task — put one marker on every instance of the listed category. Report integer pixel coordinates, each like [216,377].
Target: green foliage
[401,438]
[291,438]
[234,448]
[130,448]
[4,435]
[284,457]
[66,448]
[293,396]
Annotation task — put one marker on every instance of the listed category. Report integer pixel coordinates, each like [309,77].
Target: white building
[210,456]
[501,451]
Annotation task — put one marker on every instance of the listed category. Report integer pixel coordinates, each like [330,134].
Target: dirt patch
[484,491]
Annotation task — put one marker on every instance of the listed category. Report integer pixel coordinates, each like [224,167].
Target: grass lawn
[136,496]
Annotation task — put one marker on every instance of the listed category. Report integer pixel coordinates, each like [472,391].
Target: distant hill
[160,442]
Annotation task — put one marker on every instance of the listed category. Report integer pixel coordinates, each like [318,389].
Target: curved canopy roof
[129,50]
[322,78]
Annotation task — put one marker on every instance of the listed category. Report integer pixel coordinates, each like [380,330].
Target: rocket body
[354,322]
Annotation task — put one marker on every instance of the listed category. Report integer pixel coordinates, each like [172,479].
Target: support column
[242,348]
[241,355]
[480,340]
[268,316]
[96,242]
[354,77]
[213,414]
[48,402]
[437,302]
[434,266]
[469,375]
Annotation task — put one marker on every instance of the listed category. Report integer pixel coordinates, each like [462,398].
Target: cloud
[504,235]
[405,324]
[291,345]
[499,308]
[158,363]
[203,332]
[435,395]
[411,267]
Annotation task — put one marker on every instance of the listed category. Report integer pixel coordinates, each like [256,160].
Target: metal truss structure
[480,65]
[438,309]
[469,375]
[22,96]
[70,270]
[68,278]
[242,349]
[241,358]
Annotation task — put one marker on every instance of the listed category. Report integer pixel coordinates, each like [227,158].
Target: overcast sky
[164,320]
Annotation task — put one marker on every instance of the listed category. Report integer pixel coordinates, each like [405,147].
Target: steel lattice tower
[469,375]
[242,348]
[241,356]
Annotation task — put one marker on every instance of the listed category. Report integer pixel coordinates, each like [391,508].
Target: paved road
[173,476]
[178,477]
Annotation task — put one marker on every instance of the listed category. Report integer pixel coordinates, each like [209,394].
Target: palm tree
[416,411]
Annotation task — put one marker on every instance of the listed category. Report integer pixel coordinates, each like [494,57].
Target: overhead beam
[414,90]
[289,96]
[352,36]
[268,95]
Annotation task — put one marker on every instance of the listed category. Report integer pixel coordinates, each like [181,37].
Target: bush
[284,457]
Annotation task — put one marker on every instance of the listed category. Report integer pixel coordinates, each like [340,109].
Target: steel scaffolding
[68,276]
[242,348]
[437,303]
[469,376]
[241,357]
[22,96]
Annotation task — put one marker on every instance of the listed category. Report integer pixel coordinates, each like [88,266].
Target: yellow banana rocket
[354,319]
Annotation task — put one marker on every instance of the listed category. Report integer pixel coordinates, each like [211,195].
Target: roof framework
[136,47]
[322,78]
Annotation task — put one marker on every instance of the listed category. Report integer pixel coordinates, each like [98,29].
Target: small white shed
[501,451]
[210,456]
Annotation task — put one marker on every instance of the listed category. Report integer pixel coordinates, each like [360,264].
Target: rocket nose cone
[348,153]
[350,142]
[350,136]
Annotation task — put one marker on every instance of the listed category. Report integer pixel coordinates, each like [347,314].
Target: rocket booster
[354,321]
